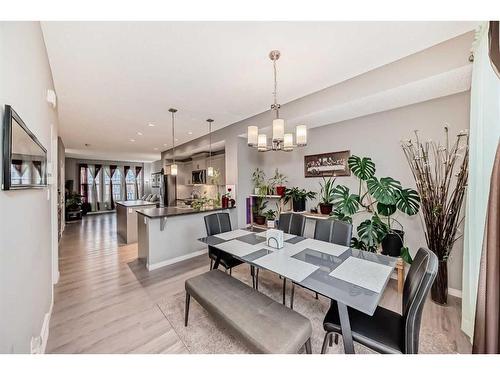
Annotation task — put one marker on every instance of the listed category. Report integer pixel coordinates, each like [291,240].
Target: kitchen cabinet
[199,163]
[184,173]
[219,163]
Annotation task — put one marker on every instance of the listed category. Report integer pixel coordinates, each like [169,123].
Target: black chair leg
[328,335]
[336,340]
[252,273]
[257,279]
[230,272]
[292,295]
[186,309]
[211,264]
[308,346]
[317,295]
[284,291]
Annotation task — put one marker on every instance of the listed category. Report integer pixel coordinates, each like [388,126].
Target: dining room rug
[205,335]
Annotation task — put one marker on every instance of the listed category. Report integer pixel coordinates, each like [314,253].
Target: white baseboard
[39,343]
[455,292]
[155,266]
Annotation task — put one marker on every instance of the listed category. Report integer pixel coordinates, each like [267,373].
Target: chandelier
[281,141]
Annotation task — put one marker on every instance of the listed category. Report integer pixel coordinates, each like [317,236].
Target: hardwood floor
[107,302]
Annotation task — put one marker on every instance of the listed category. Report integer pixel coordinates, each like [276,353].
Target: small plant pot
[225,202]
[392,243]
[256,191]
[280,190]
[259,220]
[326,208]
[299,205]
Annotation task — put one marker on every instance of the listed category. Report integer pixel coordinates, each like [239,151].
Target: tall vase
[439,289]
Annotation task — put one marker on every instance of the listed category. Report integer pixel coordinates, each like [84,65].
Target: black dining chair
[220,222]
[387,331]
[329,230]
[291,223]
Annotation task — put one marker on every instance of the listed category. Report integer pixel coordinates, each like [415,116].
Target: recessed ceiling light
[139,133]
[132,140]
[156,148]
[151,125]
[176,139]
[190,132]
[165,144]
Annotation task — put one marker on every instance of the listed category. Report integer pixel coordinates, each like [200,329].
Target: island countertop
[157,213]
[136,203]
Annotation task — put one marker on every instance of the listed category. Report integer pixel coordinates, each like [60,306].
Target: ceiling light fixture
[151,125]
[139,133]
[173,166]
[281,141]
[132,140]
[210,169]
[190,132]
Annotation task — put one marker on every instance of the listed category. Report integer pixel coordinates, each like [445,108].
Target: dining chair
[329,230]
[220,222]
[388,331]
[291,223]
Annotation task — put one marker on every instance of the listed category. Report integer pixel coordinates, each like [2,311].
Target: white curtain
[484,136]
[93,189]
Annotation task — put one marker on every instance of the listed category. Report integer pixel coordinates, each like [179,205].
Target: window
[107,188]
[98,184]
[117,185]
[140,187]
[130,185]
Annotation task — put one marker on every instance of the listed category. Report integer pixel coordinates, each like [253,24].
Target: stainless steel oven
[199,177]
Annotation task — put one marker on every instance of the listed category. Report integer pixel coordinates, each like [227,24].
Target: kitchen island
[126,218]
[170,234]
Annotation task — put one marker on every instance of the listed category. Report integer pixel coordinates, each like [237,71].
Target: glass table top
[358,283]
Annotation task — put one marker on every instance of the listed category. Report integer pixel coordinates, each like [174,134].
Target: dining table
[353,278]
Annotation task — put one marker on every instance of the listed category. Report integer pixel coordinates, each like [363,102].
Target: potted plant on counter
[279,180]
[326,196]
[380,198]
[259,206]
[298,198]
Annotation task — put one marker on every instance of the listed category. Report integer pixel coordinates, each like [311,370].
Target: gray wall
[378,136]
[25,215]
[385,127]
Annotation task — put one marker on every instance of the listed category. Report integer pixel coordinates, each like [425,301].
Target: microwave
[199,177]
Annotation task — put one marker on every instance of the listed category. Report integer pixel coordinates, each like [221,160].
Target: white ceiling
[114,78]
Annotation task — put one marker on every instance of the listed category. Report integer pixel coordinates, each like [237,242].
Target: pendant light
[280,141]
[210,169]
[173,166]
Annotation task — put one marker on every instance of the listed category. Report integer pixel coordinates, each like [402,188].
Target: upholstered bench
[264,325]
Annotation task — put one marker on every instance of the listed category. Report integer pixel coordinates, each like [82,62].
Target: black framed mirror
[24,157]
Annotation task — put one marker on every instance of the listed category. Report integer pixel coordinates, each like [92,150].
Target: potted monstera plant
[381,198]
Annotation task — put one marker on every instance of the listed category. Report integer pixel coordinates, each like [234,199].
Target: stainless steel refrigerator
[168,189]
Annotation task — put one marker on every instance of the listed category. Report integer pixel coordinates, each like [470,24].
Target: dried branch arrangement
[440,173]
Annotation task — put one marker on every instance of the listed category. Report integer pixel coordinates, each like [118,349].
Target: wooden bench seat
[265,325]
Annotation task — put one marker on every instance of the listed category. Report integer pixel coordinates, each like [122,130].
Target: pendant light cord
[275,93]
[173,139]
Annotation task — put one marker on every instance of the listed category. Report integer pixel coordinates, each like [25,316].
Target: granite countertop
[156,213]
[136,203]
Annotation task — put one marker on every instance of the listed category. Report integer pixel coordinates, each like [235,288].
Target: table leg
[284,290]
[217,260]
[346,328]
[401,277]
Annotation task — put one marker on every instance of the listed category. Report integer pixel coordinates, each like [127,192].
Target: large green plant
[380,197]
